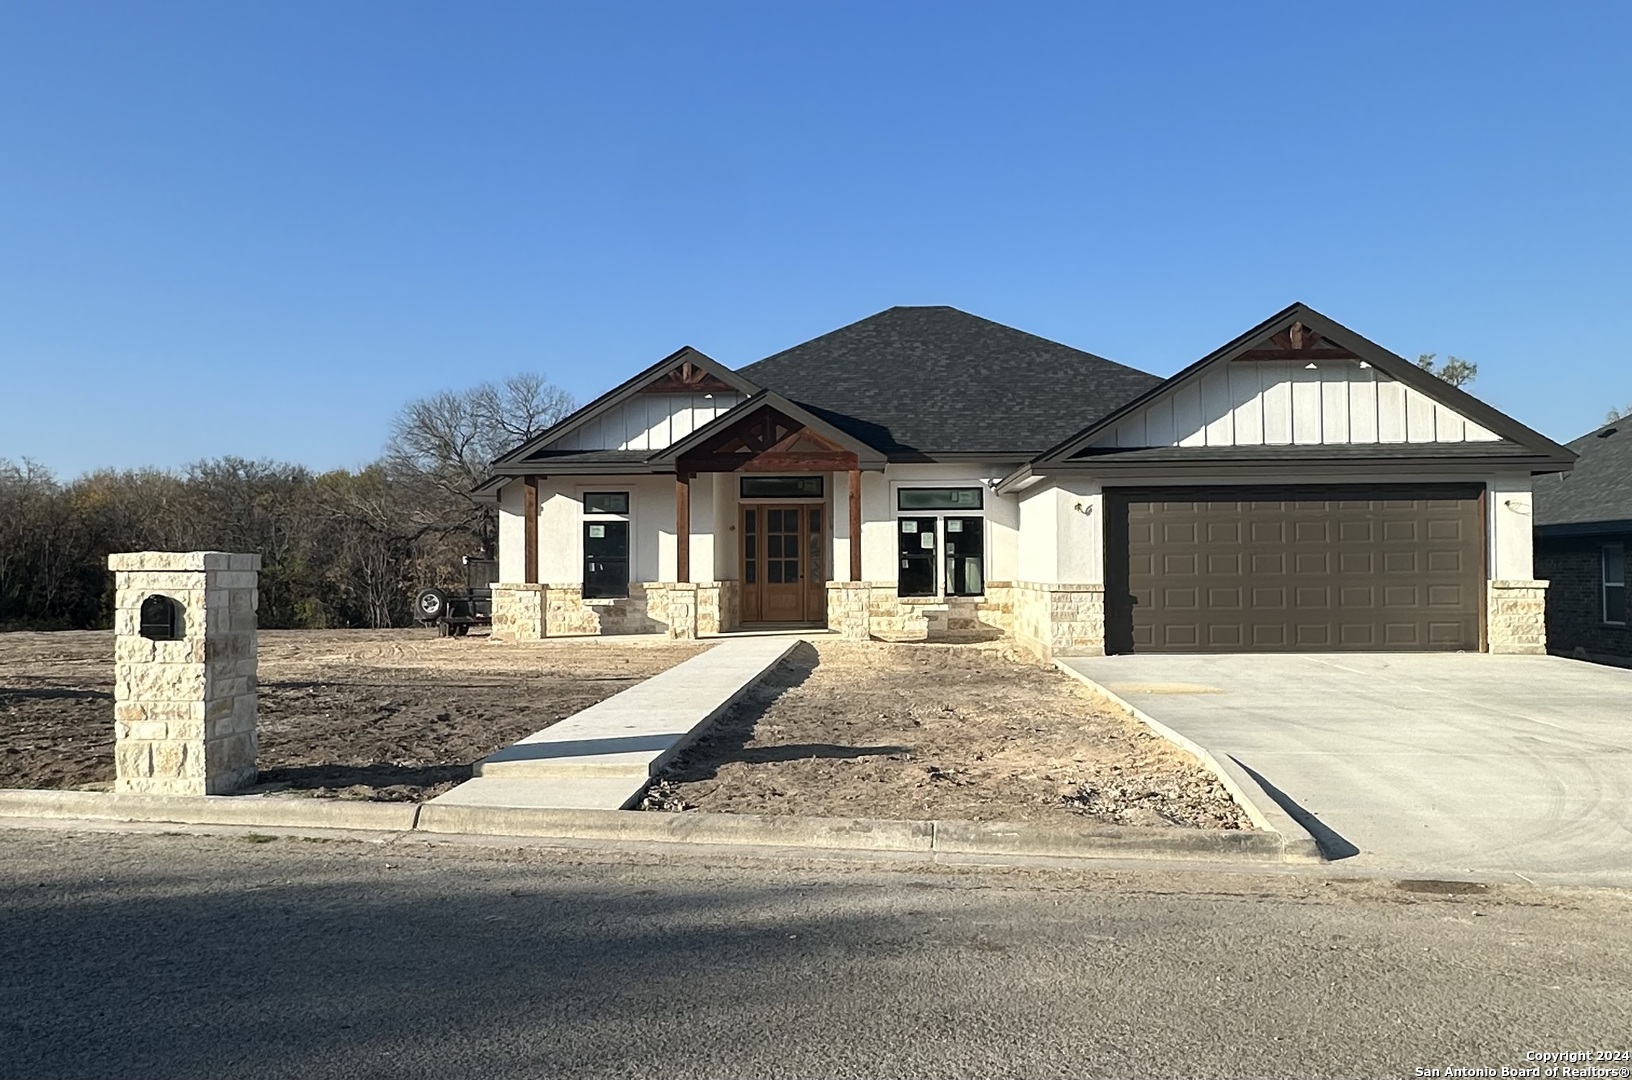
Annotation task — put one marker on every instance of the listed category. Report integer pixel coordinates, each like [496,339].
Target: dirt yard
[958,732]
[391,715]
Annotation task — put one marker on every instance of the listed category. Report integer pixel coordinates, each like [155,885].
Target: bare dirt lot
[959,732]
[393,714]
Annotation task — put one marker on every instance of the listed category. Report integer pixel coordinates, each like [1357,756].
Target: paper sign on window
[926,540]
[597,532]
[909,526]
[954,526]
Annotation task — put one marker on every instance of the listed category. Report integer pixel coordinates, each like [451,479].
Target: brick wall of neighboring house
[1575,619]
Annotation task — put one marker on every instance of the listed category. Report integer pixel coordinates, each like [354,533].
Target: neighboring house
[927,473]
[1583,541]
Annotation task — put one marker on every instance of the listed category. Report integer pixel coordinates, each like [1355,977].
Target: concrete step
[559,793]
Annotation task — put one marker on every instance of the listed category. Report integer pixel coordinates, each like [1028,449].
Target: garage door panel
[1444,562]
[1312,562]
[1180,565]
[1402,635]
[1358,635]
[1225,570]
[1267,532]
[1356,562]
[1312,596]
[1268,563]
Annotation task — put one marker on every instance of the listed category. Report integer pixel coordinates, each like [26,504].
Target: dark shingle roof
[936,380]
[1599,488]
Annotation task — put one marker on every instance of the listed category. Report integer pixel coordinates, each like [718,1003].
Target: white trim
[1604,584]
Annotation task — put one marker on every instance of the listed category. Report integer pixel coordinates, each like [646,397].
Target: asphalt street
[140,954]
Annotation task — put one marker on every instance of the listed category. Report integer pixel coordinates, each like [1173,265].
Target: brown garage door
[1294,569]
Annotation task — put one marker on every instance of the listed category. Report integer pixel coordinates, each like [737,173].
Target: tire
[430,605]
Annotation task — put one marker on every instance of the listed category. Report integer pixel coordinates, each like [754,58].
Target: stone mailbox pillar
[184,671]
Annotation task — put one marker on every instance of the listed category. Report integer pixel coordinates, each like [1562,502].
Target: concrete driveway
[1418,763]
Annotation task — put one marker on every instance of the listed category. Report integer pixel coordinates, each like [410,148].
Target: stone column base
[518,612]
[680,609]
[849,609]
[1059,619]
[1517,617]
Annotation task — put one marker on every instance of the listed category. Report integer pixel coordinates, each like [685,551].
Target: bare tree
[440,448]
[1454,370]
[1622,413]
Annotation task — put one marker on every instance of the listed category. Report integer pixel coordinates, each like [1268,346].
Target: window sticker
[954,526]
[951,548]
[909,526]
[597,532]
[926,540]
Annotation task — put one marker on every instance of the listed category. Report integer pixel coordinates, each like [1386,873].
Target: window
[938,499]
[917,576]
[781,487]
[1615,584]
[940,554]
[606,502]
[606,544]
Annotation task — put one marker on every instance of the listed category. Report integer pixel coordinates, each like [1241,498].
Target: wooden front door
[783,563]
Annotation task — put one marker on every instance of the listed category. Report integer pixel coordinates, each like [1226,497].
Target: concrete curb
[1266,815]
[749,830]
[211,810]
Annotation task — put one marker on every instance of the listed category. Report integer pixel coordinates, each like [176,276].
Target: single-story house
[927,473]
[1583,540]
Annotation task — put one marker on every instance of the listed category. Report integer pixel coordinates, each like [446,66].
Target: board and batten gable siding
[1276,403]
[648,422]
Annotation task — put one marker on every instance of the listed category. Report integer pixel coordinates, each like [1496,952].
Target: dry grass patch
[968,732]
[391,714]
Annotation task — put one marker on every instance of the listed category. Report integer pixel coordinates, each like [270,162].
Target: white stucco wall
[1508,506]
[1062,533]
[1052,532]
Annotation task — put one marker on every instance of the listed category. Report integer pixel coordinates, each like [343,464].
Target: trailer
[454,612]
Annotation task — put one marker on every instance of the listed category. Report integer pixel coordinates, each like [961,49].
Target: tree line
[343,548]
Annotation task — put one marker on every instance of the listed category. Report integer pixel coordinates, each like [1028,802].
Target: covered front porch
[758,527]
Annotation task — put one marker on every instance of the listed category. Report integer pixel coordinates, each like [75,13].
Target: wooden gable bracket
[688,378]
[1298,342]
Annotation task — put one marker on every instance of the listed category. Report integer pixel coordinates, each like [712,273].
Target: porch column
[682,526]
[529,530]
[855,524]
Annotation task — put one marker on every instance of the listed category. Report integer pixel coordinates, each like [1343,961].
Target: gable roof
[866,455]
[685,358]
[1544,450]
[1598,489]
[920,382]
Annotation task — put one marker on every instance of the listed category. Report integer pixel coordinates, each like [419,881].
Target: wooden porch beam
[682,526]
[855,524]
[529,530]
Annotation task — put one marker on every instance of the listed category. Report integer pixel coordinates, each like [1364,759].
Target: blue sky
[258,229]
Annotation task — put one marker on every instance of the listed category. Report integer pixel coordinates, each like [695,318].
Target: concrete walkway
[603,757]
[1436,763]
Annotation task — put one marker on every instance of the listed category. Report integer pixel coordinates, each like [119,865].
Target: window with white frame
[1615,584]
[606,544]
[940,541]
